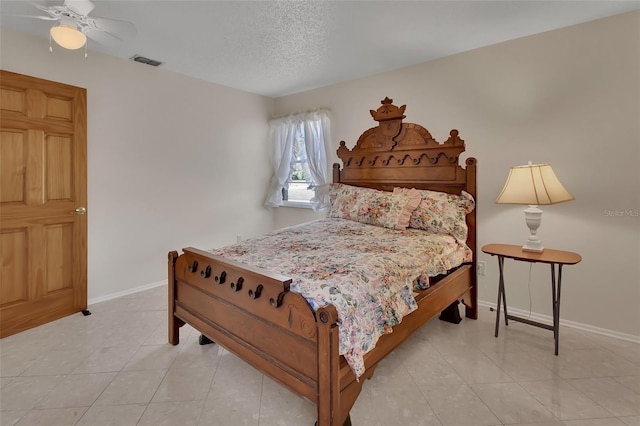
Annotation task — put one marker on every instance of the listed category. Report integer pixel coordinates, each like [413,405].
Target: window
[299,160]
[299,188]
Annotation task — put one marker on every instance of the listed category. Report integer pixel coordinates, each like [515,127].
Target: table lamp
[533,185]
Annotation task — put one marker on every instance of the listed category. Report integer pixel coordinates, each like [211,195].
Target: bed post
[174,323]
[336,173]
[328,398]
[471,306]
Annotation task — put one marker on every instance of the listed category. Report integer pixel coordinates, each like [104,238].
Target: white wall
[570,97]
[172,161]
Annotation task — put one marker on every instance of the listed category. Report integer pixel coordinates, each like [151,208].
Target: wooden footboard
[249,312]
[252,313]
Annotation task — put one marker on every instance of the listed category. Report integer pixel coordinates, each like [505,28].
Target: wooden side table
[552,257]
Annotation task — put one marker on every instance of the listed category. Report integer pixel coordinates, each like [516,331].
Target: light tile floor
[114,367]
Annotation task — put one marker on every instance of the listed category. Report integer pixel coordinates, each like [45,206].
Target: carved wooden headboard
[404,154]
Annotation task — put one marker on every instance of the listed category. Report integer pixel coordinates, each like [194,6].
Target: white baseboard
[545,319]
[126,292]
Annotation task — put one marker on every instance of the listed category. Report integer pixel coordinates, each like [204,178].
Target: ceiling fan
[74,25]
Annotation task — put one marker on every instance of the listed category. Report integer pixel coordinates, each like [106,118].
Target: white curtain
[282,137]
[317,131]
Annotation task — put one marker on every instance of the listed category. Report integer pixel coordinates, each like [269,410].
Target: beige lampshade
[533,184]
[68,36]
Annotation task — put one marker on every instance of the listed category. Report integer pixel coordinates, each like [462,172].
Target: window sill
[297,204]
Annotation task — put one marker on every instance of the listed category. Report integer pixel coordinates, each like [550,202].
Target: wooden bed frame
[252,313]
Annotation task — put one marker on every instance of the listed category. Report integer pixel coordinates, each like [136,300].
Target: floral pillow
[365,205]
[442,213]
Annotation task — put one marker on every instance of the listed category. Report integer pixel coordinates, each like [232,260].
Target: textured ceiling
[276,48]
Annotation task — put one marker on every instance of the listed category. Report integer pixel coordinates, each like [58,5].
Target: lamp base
[532,249]
[533,217]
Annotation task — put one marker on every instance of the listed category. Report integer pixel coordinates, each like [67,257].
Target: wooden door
[43,173]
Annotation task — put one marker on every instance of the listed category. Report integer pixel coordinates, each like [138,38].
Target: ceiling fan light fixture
[68,36]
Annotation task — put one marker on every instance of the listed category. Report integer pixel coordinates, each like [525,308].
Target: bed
[258,306]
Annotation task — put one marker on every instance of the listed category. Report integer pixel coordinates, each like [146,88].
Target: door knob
[80,210]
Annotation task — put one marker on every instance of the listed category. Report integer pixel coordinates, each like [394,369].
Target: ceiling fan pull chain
[85,49]
[50,48]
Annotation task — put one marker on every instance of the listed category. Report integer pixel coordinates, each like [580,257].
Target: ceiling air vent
[147,61]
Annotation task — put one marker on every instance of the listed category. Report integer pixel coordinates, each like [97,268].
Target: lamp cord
[529,288]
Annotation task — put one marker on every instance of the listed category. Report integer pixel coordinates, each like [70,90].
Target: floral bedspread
[367,272]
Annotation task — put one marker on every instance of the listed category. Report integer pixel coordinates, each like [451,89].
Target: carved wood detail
[394,143]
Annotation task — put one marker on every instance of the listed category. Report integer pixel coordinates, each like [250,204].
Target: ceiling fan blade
[51,11]
[44,18]
[102,37]
[81,7]
[114,26]
[39,6]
